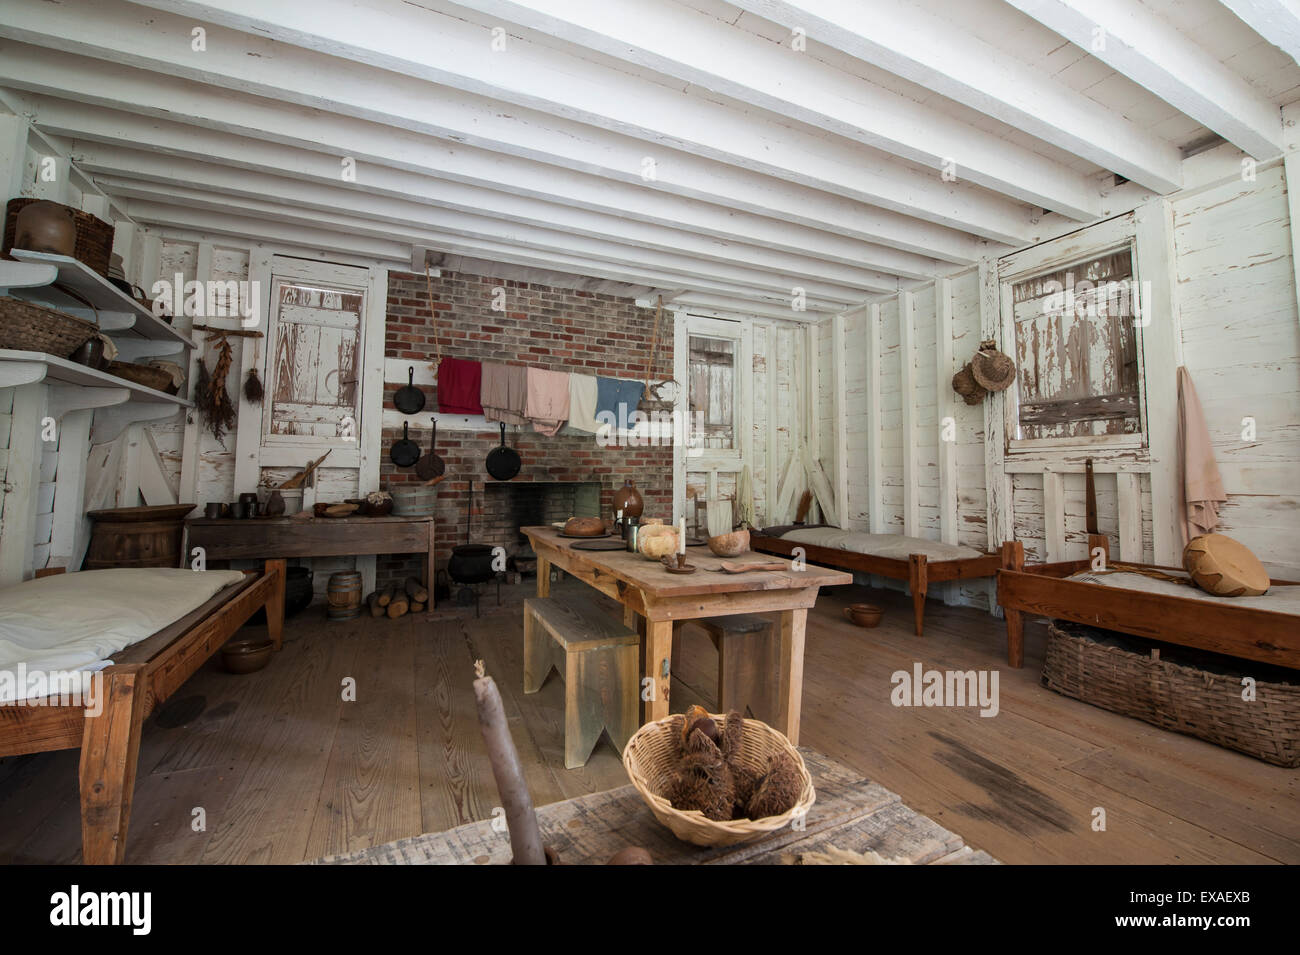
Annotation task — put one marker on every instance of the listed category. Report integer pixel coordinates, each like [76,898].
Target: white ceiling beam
[392,217]
[83,80]
[911,42]
[699,303]
[1134,41]
[195,206]
[101,137]
[1277,21]
[113,163]
[443,48]
[699,48]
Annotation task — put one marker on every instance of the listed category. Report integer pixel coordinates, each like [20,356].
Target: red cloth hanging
[459,385]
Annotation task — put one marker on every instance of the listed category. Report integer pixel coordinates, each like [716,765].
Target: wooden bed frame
[1041,589]
[918,571]
[141,677]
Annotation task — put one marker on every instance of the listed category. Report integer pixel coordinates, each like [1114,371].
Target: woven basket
[651,754]
[26,326]
[1175,696]
[156,378]
[94,236]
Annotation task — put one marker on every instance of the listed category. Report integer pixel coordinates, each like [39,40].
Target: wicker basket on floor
[1175,696]
[652,752]
[26,326]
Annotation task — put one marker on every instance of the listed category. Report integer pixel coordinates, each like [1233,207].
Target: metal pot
[470,563]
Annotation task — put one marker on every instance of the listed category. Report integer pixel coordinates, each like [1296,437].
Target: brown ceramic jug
[46,226]
[628,500]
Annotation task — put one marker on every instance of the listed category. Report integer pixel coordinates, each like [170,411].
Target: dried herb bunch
[210,394]
[712,778]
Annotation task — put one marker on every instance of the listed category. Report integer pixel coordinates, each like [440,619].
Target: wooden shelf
[118,312]
[23,367]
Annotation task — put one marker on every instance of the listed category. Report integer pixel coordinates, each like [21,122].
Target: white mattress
[1283,599]
[71,622]
[894,546]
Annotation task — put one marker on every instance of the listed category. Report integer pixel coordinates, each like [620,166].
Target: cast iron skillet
[405,452]
[431,465]
[503,462]
[409,399]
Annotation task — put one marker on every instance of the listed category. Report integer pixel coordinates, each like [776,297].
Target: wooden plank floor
[276,767]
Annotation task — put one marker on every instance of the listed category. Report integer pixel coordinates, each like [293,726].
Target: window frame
[1052,256]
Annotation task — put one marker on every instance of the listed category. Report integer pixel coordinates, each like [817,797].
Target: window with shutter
[1074,324]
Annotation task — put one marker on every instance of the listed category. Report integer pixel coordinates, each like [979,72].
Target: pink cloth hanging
[1202,485]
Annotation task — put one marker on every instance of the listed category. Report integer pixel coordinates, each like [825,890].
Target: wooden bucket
[136,537]
[418,501]
[344,595]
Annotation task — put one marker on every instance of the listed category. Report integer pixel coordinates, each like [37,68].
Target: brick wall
[542,326]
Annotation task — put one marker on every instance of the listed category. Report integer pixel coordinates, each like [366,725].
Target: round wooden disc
[1222,566]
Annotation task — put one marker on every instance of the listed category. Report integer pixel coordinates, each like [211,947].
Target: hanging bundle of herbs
[253,387]
[210,394]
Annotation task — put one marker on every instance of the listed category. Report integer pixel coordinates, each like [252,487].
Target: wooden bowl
[864,615]
[730,545]
[247,656]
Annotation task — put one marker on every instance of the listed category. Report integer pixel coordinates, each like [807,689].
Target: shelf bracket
[15,373]
[65,398]
[134,349]
[112,421]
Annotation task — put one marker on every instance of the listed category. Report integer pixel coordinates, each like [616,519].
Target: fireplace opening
[509,506]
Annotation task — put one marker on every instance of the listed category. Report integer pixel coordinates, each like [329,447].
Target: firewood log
[398,606]
[417,607]
[386,595]
[376,608]
[415,590]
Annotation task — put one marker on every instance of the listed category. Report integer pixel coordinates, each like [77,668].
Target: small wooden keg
[1224,567]
[344,595]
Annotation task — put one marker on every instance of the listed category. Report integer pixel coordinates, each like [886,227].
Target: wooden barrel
[344,595]
[136,537]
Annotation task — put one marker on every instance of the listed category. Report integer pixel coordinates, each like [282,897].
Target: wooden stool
[599,660]
[749,665]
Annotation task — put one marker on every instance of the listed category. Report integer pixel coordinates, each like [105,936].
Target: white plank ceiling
[728,152]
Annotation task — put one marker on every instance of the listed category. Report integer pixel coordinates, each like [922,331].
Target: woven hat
[964,383]
[992,369]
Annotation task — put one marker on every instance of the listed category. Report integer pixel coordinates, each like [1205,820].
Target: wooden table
[851,813]
[260,538]
[660,599]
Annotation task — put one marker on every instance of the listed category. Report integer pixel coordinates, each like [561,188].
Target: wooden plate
[586,537]
[599,544]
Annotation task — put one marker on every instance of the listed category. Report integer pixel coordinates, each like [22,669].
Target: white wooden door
[714,360]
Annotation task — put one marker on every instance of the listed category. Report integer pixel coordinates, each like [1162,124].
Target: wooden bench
[599,660]
[749,665]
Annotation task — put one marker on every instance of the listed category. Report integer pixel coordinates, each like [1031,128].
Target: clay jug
[46,226]
[275,504]
[628,500]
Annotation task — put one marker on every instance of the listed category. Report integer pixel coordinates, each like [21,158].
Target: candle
[525,837]
[681,536]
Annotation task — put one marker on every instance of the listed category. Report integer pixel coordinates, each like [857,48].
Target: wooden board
[851,812]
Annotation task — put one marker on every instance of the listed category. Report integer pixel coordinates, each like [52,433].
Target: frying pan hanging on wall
[431,465]
[404,452]
[409,399]
[503,462]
